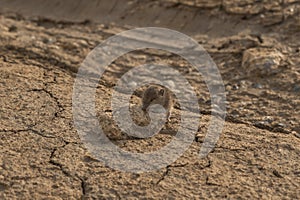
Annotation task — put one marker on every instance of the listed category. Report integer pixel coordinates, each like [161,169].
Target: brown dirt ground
[42,46]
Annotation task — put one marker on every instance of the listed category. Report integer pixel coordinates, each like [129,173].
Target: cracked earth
[256,46]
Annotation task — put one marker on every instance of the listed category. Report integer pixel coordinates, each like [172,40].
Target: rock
[261,61]
[235,87]
[296,134]
[228,87]
[296,88]
[235,114]
[257,85]
[237,43]
[83,43]
[242,7]
[132,84]
[232,87]
[271,18]
[277,174]
[13,28]
[261,124]
[280,125]
[49,40]
[208,3]
[268,119]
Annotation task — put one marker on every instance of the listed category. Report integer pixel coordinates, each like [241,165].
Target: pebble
[171,83]
[281,125]
[268,119]
[261,124]
[235,114]
[277,174]
[257,86]
[235,87]
[13,28]
[296,134]
[83,43]
[228,87]
[49,40]
[261,61]
[296,88]
[132,84]
[243,84]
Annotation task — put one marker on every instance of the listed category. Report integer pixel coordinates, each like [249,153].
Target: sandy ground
[256,47]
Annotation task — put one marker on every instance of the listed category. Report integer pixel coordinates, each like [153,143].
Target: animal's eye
[161,92]
[152,99]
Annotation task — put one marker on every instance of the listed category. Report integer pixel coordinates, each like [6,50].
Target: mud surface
[256,47]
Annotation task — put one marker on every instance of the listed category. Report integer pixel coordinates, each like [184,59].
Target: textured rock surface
[262,62]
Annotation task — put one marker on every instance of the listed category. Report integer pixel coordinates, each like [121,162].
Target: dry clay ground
[257,155]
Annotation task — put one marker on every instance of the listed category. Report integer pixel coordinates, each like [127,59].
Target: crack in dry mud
[61,167]
[60,107]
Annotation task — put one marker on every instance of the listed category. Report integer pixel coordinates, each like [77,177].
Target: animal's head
[153,95]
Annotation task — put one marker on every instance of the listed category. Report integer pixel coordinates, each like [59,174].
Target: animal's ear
[161,92]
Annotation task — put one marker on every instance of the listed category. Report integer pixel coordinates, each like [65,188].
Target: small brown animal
[156,94]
